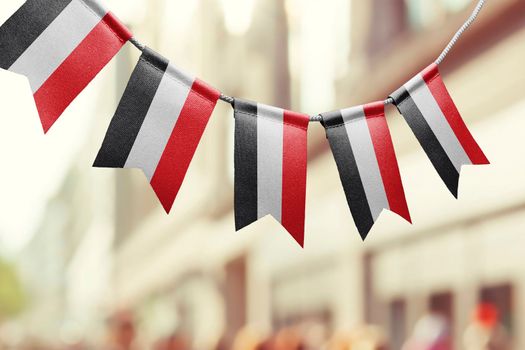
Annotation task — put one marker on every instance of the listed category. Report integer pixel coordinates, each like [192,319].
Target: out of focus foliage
[12,298]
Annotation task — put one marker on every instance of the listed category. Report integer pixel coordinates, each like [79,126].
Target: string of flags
[61,45]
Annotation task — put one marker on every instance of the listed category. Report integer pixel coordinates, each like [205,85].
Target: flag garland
[367,163]
[60,46]
[270,166]
[426,104]
[158,124]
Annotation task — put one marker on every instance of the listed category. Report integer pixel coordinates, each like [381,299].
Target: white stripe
[366,159]
[180,76]
[160,120]
[56,43]
[425,102]
[269,161]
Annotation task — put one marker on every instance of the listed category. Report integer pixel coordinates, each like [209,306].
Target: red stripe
[79,68]
[386,158]
[183,142]
[446,104]
[294,174]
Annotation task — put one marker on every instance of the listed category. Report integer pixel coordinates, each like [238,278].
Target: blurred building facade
[458,254]
[190,270]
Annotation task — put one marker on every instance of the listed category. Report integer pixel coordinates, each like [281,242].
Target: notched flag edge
[60,46]
[270,166]
[429,110]
[158,124]
[364,153]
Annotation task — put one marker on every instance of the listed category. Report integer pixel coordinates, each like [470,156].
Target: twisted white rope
[137,44]
[454,39]
[227,98]
[460,32]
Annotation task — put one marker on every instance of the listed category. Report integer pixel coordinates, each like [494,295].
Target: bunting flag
[60,46]
[434,118]
[158,124]
[270,166]
[367,163]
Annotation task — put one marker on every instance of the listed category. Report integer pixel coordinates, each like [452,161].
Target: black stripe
[132,110]
[245,163]
[348,172]
[25,26]
[427,139]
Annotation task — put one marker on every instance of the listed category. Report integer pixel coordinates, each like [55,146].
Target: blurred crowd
[431,332]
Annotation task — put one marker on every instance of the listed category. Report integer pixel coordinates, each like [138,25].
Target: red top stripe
[446,104]
[294,174]
[386,158]
[183,142]
[79,68]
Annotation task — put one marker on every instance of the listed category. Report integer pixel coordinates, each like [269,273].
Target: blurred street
[89,259]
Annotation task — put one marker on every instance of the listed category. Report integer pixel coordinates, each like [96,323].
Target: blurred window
[235,296]
[455,5]
[424,13]
[388,22]
[318,54]
[500,296]
[398,331]
[443,305]
[238,15]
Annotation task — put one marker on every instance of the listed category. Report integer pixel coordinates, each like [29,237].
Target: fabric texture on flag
[158,124]
[429,110]
[60,46]
[270,166]
[363,150]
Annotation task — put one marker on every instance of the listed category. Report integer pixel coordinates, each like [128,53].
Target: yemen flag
[270,166]
[364,153]
[60,46]
[158,124]
[434,118]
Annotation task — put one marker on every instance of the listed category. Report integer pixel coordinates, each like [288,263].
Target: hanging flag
[434,118]
[270,166]
[364,153]
[158,124]
[60,46]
